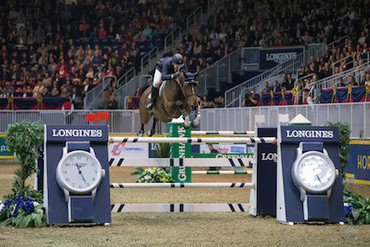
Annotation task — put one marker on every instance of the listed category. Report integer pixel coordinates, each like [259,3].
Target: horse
[177,97]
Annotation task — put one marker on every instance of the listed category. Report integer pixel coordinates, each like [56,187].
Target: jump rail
[188,162]
[221,140]
[222,133]
[182,207]
[221,172]
[181,185]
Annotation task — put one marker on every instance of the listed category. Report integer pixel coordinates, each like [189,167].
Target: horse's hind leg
[152,131]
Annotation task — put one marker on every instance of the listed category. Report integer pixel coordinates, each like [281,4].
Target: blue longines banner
[270,57]
[358,162]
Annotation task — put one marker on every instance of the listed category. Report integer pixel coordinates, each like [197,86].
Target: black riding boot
[155,94]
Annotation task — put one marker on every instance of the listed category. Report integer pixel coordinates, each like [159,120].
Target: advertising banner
[270,57]
[4,149]
[359,161]
[128,150]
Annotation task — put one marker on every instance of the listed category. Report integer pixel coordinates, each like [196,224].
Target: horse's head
[191,89]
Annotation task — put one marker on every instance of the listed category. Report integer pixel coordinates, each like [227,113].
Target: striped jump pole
[220,140]
[181,162]
[181,185]
[222,133]
[220,172]
[181,207]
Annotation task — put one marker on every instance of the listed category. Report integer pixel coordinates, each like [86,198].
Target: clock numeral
[79,157]
[68,164]
[65,172]
[67,179]
[93,179]
[87,184]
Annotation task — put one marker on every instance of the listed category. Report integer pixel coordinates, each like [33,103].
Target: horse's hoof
[194,125]
[140,133]
[186,125]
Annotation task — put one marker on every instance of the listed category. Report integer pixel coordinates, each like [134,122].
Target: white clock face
[79,172]
[315,172]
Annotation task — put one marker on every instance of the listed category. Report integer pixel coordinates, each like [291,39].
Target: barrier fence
[357,115]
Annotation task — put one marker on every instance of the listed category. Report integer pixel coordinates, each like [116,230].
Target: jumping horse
[178,97]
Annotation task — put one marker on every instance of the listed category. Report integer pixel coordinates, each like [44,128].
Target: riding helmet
[178,59]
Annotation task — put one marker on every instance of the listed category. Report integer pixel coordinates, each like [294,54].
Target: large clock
[313,172]
[79,172]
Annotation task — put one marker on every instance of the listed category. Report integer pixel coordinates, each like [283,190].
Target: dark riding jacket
[165,66]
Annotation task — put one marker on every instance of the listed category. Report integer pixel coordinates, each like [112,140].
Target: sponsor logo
[4,148]
[181,131]
[363,162]
[310,133]
[182,174]
[237,149]
[281,57]
[238,156]
[76,133]
[269,156]
[117,149]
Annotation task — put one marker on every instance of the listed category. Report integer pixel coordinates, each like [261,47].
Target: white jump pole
[188,162]
[181,185]
[221,140]
[182,207]
[222,133]
[220,172]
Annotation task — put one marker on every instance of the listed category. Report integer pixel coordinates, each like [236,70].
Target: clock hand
[318,178]
[80,172]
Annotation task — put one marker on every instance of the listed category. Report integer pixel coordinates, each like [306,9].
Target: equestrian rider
[165,69]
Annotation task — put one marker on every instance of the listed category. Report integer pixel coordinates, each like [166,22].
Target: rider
[165,69]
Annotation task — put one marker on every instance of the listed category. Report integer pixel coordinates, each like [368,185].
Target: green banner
[4,150]
[180,150]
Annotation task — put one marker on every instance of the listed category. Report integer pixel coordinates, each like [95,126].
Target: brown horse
[177,98]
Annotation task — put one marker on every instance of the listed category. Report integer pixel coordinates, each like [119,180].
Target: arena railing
[194,17]
[219,72]
[172,37]
[232,98]
[93,95]
[331,81]
[233,119]
[148,58]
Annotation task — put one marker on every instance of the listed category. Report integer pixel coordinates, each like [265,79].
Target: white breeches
[157,78]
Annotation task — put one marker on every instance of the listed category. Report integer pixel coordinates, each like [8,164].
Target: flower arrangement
[152,175]
[357,208]
[21,212]
[23,207]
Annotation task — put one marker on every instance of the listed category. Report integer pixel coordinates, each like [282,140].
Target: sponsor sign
[311,134]
[225,148]
[359,161]
[271,57]
[56,133]
[128,150]
[4,149]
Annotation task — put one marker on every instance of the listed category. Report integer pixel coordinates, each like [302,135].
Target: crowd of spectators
[236,23]
[65,48]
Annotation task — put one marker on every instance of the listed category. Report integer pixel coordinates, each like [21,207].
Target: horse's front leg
[152,131]
[184,113]
[141,131]
[195,123]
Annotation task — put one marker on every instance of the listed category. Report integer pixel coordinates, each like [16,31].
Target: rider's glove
[175,75]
